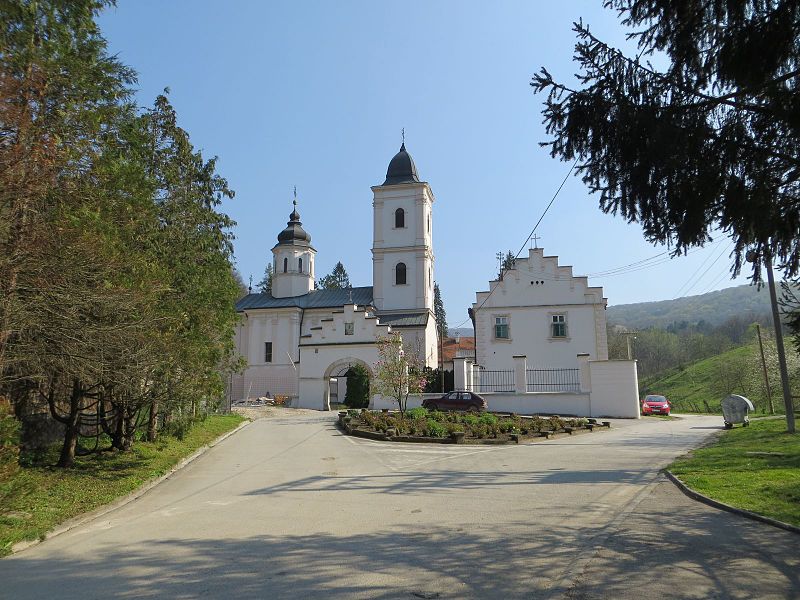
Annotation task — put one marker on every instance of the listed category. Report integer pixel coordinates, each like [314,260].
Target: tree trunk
[72,427]
[152,422]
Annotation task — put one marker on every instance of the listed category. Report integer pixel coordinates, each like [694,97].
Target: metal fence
[484,380]
[553,380]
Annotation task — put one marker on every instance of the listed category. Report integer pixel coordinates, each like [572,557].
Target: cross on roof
[535,238]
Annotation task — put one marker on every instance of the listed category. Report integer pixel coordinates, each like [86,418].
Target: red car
[456,401]
[655,405]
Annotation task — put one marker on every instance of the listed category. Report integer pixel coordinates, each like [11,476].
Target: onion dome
[294,234]
[401,169]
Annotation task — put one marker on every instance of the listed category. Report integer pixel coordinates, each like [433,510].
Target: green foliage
[115,262]
[357,395]
[265,285]
[470,419]
[417,413]
[435,428]
[704,138]
[338,279]
[439,313]
[487,419]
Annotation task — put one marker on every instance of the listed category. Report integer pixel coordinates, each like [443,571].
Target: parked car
[655,405]
[457,401]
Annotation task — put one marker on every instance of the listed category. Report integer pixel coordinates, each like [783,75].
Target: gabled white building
[540,310]
[297,339]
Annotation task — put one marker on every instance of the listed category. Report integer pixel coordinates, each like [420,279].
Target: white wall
[615,388]
[293,282]
[529,295]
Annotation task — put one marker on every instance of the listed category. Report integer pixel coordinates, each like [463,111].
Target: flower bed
[420,424]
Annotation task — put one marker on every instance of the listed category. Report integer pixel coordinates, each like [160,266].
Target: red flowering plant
[399,371]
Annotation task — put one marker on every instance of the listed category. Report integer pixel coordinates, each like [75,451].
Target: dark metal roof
[294,234]
[401,169]
[404,319]
[314,299]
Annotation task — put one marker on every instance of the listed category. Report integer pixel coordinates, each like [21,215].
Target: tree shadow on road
[706,554]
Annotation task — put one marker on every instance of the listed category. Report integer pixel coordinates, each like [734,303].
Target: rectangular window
[501,328]
[559,326]
[267,352]
[348,328]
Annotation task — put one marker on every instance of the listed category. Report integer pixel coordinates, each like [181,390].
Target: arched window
[399,218]
[285,265]
[300,264]
[400,274]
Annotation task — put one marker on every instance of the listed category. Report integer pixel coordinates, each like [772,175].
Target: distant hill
[714,308]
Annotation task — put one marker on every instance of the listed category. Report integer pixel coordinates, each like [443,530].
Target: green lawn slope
[701,386]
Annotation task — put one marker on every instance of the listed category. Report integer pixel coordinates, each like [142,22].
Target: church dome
[294,234]
[401,169]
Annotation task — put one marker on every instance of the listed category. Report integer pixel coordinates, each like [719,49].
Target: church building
[298,340]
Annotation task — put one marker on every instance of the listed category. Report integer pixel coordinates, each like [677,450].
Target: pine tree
[337,280]
[439,312]
[509,260]
[265,285]
[709,141]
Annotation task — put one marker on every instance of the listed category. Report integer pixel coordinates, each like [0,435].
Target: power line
[547,208]
[686,293]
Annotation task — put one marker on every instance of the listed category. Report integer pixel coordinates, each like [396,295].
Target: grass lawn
[756,468]
[37,498]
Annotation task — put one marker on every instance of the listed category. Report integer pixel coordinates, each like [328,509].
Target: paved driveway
[290,508]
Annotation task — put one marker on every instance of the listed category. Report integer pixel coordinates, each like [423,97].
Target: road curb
[119,503]
[727,507]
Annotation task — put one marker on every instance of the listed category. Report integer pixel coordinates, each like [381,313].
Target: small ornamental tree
[398,373]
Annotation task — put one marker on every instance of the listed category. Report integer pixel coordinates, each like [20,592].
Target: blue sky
[315,94]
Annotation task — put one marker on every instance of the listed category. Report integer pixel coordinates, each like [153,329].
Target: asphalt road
[290,508]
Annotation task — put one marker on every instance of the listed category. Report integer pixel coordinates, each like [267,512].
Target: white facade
[297,339]
[344,339]
[540,310]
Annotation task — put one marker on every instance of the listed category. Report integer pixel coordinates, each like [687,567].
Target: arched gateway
[340,369]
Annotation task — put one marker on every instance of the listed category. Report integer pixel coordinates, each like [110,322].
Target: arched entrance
[339,369]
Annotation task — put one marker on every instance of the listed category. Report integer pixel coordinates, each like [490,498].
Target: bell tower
[402,248]
[293,260]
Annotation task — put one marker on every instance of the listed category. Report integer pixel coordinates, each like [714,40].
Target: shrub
[470,419]
[556,423]
[438,416]
[487,419]
[357,395]
[178,427]
[436,429]
[417,413]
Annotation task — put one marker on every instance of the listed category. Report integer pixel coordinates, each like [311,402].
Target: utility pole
[776,320]
[628,335]
[787,393]
[764,367]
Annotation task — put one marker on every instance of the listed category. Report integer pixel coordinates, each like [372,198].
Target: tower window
[399,218]
[300,264]
[285,265]
[400,274]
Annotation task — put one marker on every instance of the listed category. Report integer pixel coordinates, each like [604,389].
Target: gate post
[460,380]
[520,373]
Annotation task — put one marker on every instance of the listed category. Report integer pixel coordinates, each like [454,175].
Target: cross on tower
[403,133]
[535,238]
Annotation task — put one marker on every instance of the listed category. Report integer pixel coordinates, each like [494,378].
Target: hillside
[714,308]
[701,386]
